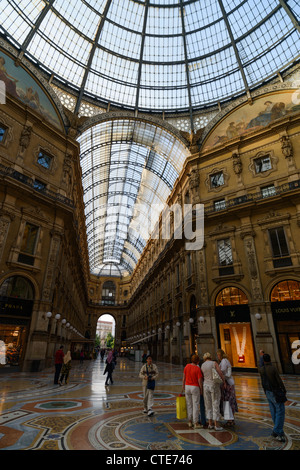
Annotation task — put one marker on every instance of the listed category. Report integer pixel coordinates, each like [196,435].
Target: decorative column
[39,338]
[5,221]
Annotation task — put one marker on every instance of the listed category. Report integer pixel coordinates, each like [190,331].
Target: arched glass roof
[171,57]
[157,55]
[129,168]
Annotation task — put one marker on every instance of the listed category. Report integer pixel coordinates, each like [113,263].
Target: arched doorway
[16,303]
[285,306]
[106,326]
[234,327]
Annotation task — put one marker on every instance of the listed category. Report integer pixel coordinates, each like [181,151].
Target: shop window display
[236,341]
[16,301]
[233,317]
[286,291]
[231,296]
[285,307]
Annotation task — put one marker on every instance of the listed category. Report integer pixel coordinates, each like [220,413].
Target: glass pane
[29,239]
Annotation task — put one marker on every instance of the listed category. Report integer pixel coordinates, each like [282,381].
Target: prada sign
[12,307]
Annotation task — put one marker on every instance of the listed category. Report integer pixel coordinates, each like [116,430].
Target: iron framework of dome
[167,57]
[156,55]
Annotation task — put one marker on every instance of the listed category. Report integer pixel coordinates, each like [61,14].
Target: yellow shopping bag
[181,407]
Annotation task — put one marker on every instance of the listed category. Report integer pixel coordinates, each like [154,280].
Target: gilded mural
[249,118]
[19,84]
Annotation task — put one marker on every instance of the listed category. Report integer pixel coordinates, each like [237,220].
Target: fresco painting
[249,118]
[19,84]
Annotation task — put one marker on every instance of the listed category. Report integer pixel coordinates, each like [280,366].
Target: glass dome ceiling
[129,168]
[159,56]
[156,55]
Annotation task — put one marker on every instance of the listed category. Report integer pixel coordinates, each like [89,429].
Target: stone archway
[106,325]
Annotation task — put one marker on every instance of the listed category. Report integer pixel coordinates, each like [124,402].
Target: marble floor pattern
[35,414]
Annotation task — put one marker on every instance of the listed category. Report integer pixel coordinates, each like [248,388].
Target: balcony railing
[30,182]
[252,197]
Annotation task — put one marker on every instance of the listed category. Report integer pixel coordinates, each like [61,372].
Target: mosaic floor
[35,414]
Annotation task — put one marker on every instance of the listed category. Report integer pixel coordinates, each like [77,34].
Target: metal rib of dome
[129,168]
[156,55]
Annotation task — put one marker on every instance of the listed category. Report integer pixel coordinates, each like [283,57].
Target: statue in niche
[194,179]
[286,147]
[25,139]
[67,173]
[237,163]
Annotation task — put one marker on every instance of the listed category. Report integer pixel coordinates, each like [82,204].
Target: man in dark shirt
[272,384]
[59,356]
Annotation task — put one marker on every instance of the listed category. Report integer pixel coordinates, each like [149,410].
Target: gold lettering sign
[18,307]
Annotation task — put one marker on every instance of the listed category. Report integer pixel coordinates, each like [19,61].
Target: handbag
[215,376]
[228,372]
[181,412]
[227,411]
[280,395]
[150,383]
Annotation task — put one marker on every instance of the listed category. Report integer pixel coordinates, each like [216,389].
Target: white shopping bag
[227,411]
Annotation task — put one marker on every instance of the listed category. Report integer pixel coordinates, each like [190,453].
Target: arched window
[108,293]
[286,290]
[18,287]
[231,296]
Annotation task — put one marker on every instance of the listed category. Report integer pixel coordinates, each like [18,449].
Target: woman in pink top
[192,386]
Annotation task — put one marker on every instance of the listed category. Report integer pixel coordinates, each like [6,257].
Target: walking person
[192,386]
[228,404]
[58,362]
[148,374]
[276,395]
[66,367]
[81,357]
[261,358]
[110,365]
[211,392]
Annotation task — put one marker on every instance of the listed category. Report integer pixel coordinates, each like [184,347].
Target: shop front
[234,328]
[16,303]
[285,306]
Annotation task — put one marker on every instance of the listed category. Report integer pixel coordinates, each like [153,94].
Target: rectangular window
[262,164]
[268,191]
[219,205]
[29,239]
[278,242]
[225,252]
[2,133]
[189,264]
[177,275]
[216,180]
[39,185]
[44,159]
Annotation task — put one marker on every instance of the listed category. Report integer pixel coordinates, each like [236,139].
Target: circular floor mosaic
[135,431]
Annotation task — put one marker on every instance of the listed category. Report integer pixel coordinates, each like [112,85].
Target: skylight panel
[79,15]
[128,14]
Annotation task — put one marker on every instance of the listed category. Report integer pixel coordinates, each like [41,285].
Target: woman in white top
[228,390]
[211,392]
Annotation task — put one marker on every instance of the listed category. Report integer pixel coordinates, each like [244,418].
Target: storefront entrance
[285,305]
[16,302]
[234,328]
